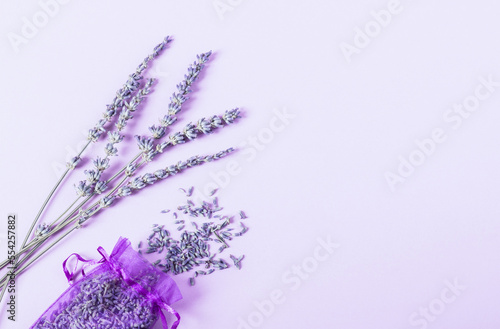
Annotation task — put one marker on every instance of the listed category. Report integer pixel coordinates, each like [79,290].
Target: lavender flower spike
[126,92]
[183,88]
[149,179]
[203,125]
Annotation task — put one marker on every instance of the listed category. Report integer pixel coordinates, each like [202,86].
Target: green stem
[43,207]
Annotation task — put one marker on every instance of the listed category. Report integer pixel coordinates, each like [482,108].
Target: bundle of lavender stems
[97,193]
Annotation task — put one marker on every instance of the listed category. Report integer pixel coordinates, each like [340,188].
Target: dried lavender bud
[148,157]
[110,149]
[149,178]
[160,147]
[100,125]
[204,126]
[168,120]
[190,131]
[101,164]
[231,115]
[94,135]
[82,189]
[157,131]
[73,163]
[176,138]
[145,144]
[161,173]
[92,176]
[124,191]
[83,216]
[109,113]
[106,201]
[114,137]
[100,187]
[237,261]
[42,229]
[216,121]
[130,169]
[137,184]
[125,114]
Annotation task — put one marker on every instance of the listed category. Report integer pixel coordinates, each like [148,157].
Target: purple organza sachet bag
[124,291]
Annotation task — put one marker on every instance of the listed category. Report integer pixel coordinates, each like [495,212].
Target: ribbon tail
[171,311]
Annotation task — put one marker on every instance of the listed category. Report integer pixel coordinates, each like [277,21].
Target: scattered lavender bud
[192,249]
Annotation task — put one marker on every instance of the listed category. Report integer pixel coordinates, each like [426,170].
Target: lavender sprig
[94,133]
[179,97]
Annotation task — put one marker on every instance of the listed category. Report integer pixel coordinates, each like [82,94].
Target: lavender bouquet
[102,189]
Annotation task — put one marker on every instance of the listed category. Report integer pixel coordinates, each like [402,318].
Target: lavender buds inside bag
[124,291]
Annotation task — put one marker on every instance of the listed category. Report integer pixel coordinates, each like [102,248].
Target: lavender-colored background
[365,85]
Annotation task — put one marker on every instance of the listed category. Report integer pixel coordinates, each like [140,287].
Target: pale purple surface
[320,175]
